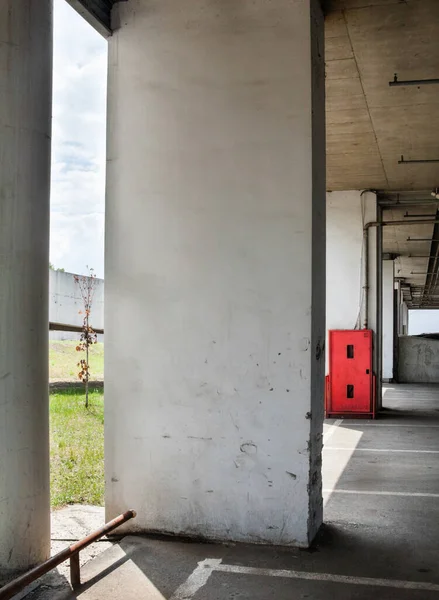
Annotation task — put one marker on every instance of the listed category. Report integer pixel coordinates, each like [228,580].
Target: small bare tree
[87,286]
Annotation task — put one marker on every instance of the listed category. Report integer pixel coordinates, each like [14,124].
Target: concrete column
[215,268]
[388,319]
[25,126]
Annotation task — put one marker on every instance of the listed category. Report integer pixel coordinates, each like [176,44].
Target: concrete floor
[380,537]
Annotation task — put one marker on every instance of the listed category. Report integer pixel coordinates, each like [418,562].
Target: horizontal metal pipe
[396,82]
[409,203]
[421,216]
[401,222]
[18,584]
[417,161]
[75,328]
[393,192]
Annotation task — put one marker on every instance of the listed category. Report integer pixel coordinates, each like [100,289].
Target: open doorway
[76,258]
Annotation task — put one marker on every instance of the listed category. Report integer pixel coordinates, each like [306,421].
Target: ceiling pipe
[402,222]
[396,82]
[417,161]
[407,216]
[401,204]
[390,192]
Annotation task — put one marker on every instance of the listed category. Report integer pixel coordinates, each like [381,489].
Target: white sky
[423,321]
[78,143]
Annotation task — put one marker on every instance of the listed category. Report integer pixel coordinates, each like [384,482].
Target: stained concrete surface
[391,537]
[418,359]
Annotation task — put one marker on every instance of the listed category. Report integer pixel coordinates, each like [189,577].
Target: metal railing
[72,552]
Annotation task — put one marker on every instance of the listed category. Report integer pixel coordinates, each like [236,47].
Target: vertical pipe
[396,309]
[25,133]
[366,277]
[379,309]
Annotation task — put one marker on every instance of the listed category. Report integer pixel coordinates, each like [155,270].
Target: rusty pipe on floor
[72,553]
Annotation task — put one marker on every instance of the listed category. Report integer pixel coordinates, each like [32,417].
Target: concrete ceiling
[369,124]
[96,12]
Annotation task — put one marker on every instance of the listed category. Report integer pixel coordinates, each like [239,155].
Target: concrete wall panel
[418,360]
[65,302]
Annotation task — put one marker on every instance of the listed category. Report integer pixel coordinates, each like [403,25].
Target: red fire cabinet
[350,385]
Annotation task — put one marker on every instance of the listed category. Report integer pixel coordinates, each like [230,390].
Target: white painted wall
[344,252]
[388,321]
[215,266]
[65,302]
[346,214]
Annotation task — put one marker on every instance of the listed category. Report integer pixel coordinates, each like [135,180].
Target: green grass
[63,360]
[77,448]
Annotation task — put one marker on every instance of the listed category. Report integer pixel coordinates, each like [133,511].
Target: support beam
[25,131]
[215,262]
[95,12]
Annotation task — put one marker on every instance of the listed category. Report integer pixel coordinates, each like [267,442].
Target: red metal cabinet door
[350,368]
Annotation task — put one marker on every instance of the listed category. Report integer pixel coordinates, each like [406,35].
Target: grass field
[63,360]
[77,448]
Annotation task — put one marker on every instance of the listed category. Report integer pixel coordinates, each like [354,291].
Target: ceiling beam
[95,12]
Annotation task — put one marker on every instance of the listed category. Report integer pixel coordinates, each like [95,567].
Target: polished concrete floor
[380,539]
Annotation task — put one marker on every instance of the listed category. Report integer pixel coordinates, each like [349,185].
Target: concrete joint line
[353,449]
[405,426]
[381,493]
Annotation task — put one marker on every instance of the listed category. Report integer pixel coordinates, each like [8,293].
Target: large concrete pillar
[215,268]
[388,319]
[25,126]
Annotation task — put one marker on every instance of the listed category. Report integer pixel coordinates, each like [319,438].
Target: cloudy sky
[78,150]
